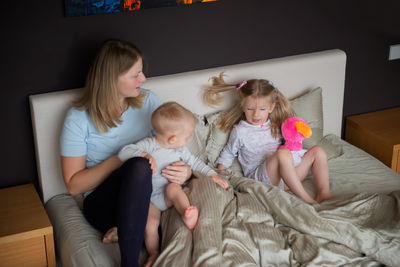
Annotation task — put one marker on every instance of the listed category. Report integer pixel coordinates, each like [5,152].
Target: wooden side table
[377,133]
[26,234]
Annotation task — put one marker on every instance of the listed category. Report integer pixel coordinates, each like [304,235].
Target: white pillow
[198,140]
[309,107]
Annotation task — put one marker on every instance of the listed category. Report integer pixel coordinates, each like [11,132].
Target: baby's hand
[221,167]
[220,181]
[152,162]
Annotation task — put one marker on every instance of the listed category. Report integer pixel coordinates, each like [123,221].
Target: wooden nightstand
[26,234]
[377,133]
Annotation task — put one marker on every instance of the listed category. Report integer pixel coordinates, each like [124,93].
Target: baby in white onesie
[173,125]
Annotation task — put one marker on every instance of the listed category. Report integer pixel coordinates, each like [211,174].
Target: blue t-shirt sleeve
[74,133]
[153,100]
[77,133]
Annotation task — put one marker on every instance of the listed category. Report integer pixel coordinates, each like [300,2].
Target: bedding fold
[255,224]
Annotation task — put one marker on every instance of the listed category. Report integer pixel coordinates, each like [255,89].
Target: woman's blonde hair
[169,117]
[254,87]
[100,97]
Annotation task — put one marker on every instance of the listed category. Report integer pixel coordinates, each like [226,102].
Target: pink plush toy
[294,130]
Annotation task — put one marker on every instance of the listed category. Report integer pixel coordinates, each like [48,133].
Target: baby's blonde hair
[170,116]
[254,87]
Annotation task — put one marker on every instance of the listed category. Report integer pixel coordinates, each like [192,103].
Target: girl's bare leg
[281,165]
[151,238]
[175,196]
[316,160]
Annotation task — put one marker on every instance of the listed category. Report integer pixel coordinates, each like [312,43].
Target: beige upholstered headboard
[292,75]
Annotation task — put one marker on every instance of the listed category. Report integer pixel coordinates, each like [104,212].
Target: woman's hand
[152,162]
[177,172]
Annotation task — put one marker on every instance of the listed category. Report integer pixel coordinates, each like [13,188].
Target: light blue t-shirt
[80,137]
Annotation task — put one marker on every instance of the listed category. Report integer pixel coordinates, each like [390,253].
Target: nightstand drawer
[29,252]
[396,159]
[377,133]
[26,233]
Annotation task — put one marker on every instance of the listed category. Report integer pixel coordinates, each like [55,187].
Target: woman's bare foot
[151,259]
[322,196]
[111,236]
[190,217]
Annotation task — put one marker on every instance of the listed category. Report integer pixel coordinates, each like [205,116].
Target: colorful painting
[92,7]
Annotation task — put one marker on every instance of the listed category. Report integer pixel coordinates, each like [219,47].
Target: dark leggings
[123,200]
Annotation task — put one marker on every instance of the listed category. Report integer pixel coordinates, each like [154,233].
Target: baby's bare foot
[151,259]
[190,217]
[111,236]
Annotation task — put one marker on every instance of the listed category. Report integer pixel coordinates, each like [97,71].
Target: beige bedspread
[253,224]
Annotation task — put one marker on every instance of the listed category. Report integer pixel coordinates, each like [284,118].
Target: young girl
[255,139]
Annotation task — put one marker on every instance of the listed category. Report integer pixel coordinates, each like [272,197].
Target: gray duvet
[254,224]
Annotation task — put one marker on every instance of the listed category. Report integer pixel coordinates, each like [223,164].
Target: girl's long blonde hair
[100,97]
[254,87]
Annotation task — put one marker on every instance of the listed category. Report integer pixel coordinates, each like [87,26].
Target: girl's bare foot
[308,200]
[111,236]
[311,201]
[190,217]
[151,259]
[322,196]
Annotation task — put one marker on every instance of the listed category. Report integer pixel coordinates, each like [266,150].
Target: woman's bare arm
[79,179]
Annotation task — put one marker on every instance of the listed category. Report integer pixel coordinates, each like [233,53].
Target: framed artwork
[91,7]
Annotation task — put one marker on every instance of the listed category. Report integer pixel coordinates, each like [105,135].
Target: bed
[251,224]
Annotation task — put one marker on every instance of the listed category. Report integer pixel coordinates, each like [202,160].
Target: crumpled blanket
[254,224]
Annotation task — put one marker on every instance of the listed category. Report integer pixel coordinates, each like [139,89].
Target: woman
[113,111]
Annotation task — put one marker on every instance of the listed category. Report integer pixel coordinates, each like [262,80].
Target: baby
[173,125]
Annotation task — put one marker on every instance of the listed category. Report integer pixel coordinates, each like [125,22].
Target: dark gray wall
[43,51]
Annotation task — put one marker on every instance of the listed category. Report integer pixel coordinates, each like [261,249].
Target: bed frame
[293,75]
[251,222]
